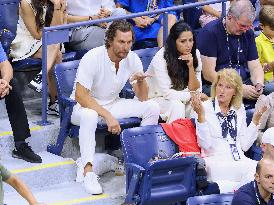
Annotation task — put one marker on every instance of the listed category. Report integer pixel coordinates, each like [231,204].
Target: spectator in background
[261,190]
[33,16]
[17,184]
[230,42]
[148,28]
[102,74]
[223,134]
[88,37]
[211,12]
[175,70]
[268,143]
[16,111]
[265,46]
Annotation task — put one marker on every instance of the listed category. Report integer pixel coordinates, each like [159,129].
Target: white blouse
[160,83]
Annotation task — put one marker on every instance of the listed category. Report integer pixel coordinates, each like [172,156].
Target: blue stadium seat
[146,56]
[65,75]
[214,199]
[162,182]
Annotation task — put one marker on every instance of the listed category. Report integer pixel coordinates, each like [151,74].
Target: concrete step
[41,136]
[54,170]
[74,193]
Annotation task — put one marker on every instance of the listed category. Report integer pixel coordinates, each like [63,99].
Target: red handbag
[183,133]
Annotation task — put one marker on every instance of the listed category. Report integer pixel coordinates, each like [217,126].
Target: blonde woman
[223,133]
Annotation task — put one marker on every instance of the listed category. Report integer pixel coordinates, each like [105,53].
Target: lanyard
[256,193]
[229,54]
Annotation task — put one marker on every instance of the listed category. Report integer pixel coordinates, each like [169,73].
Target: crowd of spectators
[212,79]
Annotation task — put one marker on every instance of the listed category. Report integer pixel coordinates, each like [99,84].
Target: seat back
[146,55]
[65,74]
[214,199]
[140,144]
[8,22]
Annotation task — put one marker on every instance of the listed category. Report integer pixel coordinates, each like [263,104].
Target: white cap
[268,136]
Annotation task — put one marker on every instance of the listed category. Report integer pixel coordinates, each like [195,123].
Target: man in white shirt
[89,37]
[101,75]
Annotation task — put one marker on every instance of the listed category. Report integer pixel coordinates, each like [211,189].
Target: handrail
[47,30]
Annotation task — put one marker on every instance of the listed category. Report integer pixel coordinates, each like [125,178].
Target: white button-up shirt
[88,7]
[97,73]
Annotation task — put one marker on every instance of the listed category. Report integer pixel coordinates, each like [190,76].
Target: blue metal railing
[60,34]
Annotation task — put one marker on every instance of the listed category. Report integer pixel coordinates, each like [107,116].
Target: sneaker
[25,152]
[91,183]
[53,108]
[36,83]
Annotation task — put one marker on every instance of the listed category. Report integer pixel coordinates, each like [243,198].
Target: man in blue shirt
[230,42]
[16,111]
[148,27]
[260,191]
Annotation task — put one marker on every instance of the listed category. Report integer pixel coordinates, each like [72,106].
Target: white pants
[229,174]
[87,119]
[171,110]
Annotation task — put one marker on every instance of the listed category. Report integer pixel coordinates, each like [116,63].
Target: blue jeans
[268,87]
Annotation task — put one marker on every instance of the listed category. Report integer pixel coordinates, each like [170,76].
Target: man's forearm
[22,189]
[83,97]
[6,71]
[141,90]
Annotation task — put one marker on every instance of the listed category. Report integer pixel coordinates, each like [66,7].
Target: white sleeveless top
[24,45]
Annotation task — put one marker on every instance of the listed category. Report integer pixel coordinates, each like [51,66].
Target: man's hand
[138,77]
[140,22]
[113,125]
[4,88]
[104,12]
[250,92]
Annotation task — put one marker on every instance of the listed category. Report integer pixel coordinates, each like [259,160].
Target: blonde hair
[231,76]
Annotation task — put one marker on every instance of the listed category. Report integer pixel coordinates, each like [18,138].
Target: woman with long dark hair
[33,16]
[175,71]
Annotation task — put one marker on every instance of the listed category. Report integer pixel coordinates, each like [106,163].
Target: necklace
[228,48]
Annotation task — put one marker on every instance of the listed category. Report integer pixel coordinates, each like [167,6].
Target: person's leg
[171,21]
[147,110]
[170,110]
[87,119]
[87,38]
[269,88]
[19,124]
[54,56]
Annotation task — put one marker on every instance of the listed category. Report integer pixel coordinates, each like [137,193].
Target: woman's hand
[258,114]
[59,4]
[197,106]
[188,58]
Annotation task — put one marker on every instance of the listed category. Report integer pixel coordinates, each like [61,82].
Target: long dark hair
[178,69]
[38,7]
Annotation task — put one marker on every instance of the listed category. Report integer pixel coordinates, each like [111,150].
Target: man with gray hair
[268,143]
[230,42]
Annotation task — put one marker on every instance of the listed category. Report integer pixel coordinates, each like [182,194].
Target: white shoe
[91,183]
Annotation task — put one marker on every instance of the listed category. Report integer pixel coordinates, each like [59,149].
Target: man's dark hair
[258,167]
[121,25]
[266,16]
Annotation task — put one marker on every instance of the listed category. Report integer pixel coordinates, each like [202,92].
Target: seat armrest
[134,175]
[67,101]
